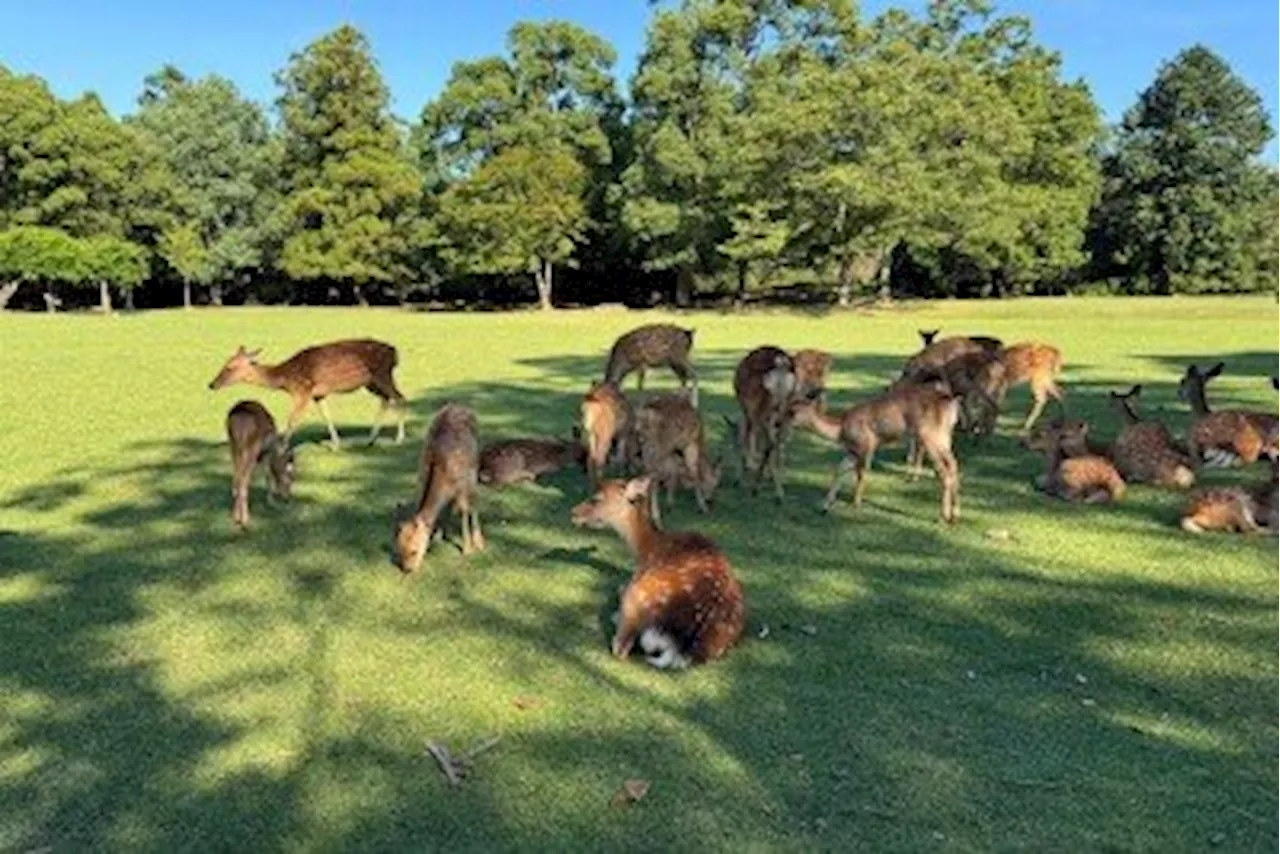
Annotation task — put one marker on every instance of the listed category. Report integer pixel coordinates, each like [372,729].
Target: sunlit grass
[1040,677]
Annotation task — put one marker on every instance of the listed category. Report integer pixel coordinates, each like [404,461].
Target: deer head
[241,367]
[613,503]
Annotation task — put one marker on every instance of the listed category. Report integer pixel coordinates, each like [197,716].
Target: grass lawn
[1096,681]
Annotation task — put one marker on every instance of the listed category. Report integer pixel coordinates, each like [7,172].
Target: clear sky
[108,46]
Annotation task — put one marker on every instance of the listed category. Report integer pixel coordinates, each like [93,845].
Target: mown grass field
[1096,681]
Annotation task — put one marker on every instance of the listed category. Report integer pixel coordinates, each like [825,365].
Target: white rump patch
[661,651]
[1217,458]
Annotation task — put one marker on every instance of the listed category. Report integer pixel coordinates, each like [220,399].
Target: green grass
[1099,681]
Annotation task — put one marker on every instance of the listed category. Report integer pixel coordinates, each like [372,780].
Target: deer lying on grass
[317,372]
[651,346]
[683,605]
[1071,472]
[673,450]
[764,384]
[924,414]
[1144,451]
[608,425]
[1249,511]
[251,432]
[525,460]
[447,475]
[1226,437]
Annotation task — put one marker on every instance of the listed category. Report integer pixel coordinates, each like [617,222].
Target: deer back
[653,344]
[1030,360]
[336,367]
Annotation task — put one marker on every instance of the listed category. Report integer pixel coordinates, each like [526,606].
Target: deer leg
[334,442]
[944,463]
[845,466]
[296,412]
[1040,395]
[463,508]
[640,379]
[477,534]
[860,486]
[377,420]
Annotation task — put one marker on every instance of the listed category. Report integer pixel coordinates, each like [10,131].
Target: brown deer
[649,346]
[251,432]
[1038,365]
[1144,451]
[991,345]
[924,414]
[764,383]
[317,372]
[811,370]
[1226,437]
[447,475]
[608,425]
[673,450]
[683,605]
[1071,473]
[1249,511]
[525,460]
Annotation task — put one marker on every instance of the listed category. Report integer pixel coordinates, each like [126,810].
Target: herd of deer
[683,603]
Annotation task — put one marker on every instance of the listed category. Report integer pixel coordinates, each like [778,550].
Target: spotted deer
[254,442]
[673,449]
[683,604]
[1225,437]
[608,428]
[447,474]
[1070,472]
[315,373]
[764,383]
[1248,511]
[515,461]
[649,346]
[924,414]
[1144,451]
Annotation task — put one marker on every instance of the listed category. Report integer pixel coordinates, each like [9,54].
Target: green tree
[216,145]
[1183,186]
[184,249]
[350,204]
[38,254]
[521,211]
[107,261]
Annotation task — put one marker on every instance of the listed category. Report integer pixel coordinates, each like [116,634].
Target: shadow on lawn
[917,689]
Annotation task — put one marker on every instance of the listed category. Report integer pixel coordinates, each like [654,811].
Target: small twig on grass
[456,768]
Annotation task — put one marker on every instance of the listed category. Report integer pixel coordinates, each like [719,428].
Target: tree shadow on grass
[172,685]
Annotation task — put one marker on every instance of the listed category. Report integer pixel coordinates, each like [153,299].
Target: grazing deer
[1226,437]
[447,475]
[251,432]
[930,363]
[925,414]
[1249,511]
[683,605]
[1144,451]
[608,424]
[673,449]
[525,460]
[1071,473]
[651,346]
[978,379]
[317,372]
[764,383]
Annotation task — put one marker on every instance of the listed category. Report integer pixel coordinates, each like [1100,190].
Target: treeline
[791,150]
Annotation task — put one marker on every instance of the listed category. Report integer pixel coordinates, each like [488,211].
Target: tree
[110,261]
[37,254]
[1183,188]
[521,211]
[185,251]
[350,196]
[217,146]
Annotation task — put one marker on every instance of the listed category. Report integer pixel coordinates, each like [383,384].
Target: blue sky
[108,46]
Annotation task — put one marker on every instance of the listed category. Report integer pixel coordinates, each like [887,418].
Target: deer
[1248,511]
[650,346]
[1071,472]
[525,460]
[447,474]
[991,345]
[1226,437]
[251,433]
[764,383]
[314,373]
[925,414]
[673,450]
[1038,365]
[683,604]
[608,425]
[811,368]
[1144,451]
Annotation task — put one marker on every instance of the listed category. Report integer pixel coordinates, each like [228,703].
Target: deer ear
[637,489]
[252,354]
[1135,391]
[1215,370]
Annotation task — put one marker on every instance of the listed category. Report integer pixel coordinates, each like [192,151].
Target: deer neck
[1127,413]
[1199,405]
[268,376]
[638,532]
[826,425]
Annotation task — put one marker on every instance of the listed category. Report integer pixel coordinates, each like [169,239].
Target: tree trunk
[215,294]
[51,302]
[104,296]
[186,294]
[740,298]
[844,286]
[7,290]
[543,280]
[361,300]
[128,300]
[684,287]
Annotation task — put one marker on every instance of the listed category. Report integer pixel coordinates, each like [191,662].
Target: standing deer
[525,460]
[651,346]
[447,475]
[251,433]
[1249,511]
[991,345]
[1144,451]
[924,414]
[811,369]
[673,450]
[683,605]
[764,383]
[1071,473]
[1228,436]
[608,424]
[317,372]
[1038,365]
